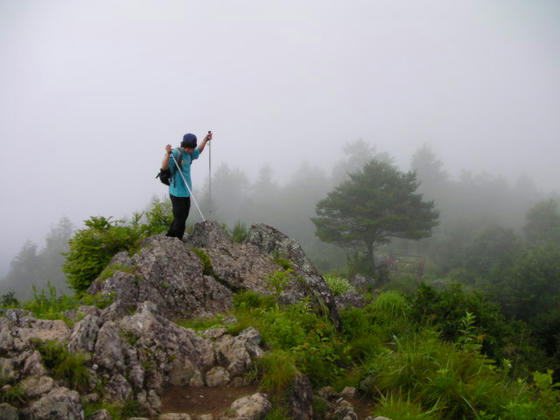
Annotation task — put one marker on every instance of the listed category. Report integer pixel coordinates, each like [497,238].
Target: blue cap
[189,140]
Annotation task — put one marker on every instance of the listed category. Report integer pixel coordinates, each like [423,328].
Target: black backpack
[165,175]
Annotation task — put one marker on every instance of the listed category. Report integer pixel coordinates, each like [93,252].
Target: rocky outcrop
[134,348]
[197,277]
[310,284]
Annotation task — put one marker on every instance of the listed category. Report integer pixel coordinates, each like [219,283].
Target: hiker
[178,192]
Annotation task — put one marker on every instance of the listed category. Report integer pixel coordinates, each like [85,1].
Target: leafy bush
[338,285]
[158,216]
[279,280]
[446,310]
[8,300]
[91,249]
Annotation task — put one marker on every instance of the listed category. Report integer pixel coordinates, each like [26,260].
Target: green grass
[65,366]
[338,285]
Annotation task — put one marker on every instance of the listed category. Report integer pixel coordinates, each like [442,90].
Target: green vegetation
[279,280]
[14,395]
[65,366]
[376,203]
[404,359]
[282,261]
[207,268]
[91,248]
[338,285]
[238,233]
[130,408]
[51,306]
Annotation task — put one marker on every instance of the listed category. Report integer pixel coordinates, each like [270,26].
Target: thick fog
[91,92]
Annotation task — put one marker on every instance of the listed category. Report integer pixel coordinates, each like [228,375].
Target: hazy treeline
[34,266]
[468,206]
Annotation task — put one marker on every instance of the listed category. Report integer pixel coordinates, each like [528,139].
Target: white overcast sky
[91,91]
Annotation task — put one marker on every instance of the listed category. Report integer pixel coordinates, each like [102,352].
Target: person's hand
[168,149]
[208,136]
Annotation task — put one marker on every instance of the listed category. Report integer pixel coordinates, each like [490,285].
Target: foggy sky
[91,92]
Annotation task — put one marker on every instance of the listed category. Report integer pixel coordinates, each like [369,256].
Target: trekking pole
[210,209]
[188,188]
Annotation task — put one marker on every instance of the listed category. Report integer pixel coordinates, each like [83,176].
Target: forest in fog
[476,210]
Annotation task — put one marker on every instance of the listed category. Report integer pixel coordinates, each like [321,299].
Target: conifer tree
[374,205]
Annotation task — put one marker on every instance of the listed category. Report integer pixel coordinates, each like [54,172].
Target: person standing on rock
[178,192]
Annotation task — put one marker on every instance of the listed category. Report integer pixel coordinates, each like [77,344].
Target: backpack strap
[179,163]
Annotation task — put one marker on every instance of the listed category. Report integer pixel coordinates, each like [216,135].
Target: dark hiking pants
[181,207]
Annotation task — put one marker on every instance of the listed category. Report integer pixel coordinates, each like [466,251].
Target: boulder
[253,407]
[349,299]
[84,334]
[35,386]
[168,274]
[237,353]
[8,372]
[217,376]
[300,398]
[58,404]
[174,416]
[33,365]
[165,348]
[100,415]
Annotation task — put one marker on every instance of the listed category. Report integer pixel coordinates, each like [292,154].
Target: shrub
[279,280]
[158,216]
[9,300]
[338,285]
[91,249]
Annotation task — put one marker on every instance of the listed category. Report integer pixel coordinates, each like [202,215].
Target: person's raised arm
[165,162]
[206,139]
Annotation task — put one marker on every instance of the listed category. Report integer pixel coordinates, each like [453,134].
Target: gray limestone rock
[59,404]
[168,274]
[253,407]
[300,398]
[84,334]
[217,376]
[35,386]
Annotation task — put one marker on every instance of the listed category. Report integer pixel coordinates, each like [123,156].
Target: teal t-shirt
[177,185]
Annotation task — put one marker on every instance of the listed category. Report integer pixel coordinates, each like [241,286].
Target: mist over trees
[471,208]
[495,237]
[36,267]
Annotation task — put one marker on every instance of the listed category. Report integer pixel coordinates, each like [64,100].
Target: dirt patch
[363,407]
[202,400]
